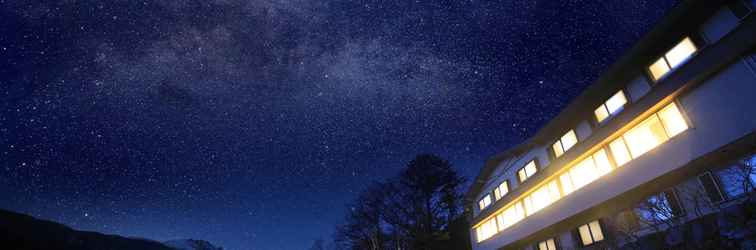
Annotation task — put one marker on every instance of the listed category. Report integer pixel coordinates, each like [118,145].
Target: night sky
[253,123]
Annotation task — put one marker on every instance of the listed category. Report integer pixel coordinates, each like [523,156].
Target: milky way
[252,123]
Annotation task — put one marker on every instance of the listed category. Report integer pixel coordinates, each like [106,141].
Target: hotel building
[661,144]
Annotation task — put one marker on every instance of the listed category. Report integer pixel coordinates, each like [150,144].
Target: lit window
[611,107]
[649,134]
[672,59]
[526,172]
[549,244]
[483,203]
[542,197]
[591,233]
[501,190]
[619,151]
[645,136]
[673,120]
[677,55]
[586,171]
[511,215]
[565,143]
[659,68]
[486,230]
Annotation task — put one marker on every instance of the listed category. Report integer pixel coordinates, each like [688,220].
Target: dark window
[659,208]
[711,187]
[740,8]
[739,178]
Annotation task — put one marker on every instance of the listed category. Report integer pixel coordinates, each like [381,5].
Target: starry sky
[252,123]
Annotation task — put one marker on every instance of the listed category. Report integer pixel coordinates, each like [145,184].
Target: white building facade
[662,127]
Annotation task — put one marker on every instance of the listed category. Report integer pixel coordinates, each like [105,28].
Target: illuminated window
[486,230]
[501,190]
[672,59]
[611,107]
[483,203]
[549,244]
[526,172]
[591,233]
[619,151]
[565,143]
[511,215]
[645,136]
[542,197]
[673,120]
[586,171]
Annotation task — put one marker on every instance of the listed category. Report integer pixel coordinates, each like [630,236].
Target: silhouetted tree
[318,245]
[418,209]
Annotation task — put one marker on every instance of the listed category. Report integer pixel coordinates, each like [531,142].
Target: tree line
[420,208]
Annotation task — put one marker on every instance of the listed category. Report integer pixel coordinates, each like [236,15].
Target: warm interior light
[645,136]
[569,140]
[557,146]
[585,235]
[616,102]
[619,151]
[659,68]
[598,235]
[673,120]
[601,113]
[603,166]
[677,55]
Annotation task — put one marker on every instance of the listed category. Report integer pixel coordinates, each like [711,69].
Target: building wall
[718,113]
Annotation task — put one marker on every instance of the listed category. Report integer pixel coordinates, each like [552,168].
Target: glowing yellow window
[567,186]
[512,215]
[645,136]
[501,190]
[483,203]
[677,55]
[673,58]
[557,147]
[601,113]
[619,151]
[603,166]
[611,107]
[616,102]
[674,123]
[564,143]
[583,173]
[486,230]
[591,233]
[659,68]
[568,140]
[527,171]
[549,244]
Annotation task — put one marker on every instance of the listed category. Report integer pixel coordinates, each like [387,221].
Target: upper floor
[629,111]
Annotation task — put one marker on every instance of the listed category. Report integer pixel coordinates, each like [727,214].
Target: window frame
[663,56]
[546,241]
[537,170]
[579,235]
[561,144]
[606,108]
[717,185]
[497,190]
[480,202]
[664,194]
